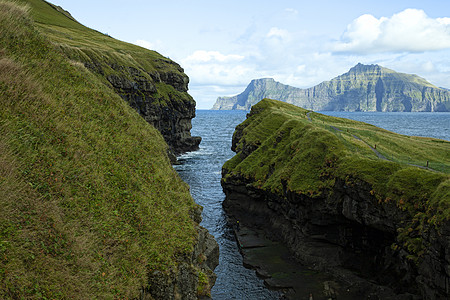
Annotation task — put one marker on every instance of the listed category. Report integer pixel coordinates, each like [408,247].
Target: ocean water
[426,124]
[202,171]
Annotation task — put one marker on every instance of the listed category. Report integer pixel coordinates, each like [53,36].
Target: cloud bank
[408,31]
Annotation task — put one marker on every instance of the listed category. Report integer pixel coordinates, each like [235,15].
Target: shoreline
[275,264]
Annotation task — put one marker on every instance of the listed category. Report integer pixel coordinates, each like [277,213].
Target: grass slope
[310,151]
[103,53]
[89,201]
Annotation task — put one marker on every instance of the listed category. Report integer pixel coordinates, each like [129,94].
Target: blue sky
[223,45]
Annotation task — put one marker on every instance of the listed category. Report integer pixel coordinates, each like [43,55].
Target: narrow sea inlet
[202,171]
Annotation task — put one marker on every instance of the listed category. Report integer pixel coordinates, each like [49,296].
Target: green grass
[279,147]
[89,202]
[106,55]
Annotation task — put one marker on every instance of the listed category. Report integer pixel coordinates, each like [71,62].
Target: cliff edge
[347,197]
[152,84]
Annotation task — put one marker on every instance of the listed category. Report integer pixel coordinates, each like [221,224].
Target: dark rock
[346,231]
[356,233]
[159,95]
[172,117]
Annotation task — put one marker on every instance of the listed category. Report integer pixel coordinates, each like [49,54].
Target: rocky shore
[346,236]
[275,264]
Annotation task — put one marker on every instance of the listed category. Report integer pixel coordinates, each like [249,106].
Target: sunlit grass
[279,148]
[89,202]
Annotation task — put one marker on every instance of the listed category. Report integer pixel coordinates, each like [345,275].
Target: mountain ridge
[362,88]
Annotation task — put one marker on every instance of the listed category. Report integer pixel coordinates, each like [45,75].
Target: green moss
[90,203]
[203,287]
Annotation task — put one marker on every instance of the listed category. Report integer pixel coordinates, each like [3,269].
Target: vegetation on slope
[283,146]
[151,83]
[101,52]
[89,202]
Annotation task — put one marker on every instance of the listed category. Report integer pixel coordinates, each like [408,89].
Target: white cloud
[202,56]
[214,68]
[301,68]
[276,32]
[408,31]
[428,67]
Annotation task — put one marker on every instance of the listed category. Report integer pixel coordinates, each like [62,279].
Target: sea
[202,171]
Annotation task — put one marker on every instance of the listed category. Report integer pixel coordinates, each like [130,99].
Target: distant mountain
[362,88]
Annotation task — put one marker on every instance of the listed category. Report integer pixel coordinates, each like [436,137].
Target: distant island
[362,88]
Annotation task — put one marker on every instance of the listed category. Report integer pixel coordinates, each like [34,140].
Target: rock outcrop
[154,85]
[362,88]
[334,212]
[170,112]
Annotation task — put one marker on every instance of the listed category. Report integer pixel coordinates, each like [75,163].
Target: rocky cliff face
[347,234]
[171,113]
[363,88]
[153,84]
[107,215]
[346,223]
[257,89]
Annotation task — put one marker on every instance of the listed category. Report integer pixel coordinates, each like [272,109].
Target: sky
[223,45]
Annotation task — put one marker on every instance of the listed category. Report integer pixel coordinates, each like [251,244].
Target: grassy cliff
[90,205]
[152,84]
[282,148]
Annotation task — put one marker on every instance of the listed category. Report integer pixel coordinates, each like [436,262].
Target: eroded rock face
[172,117]
[160,96]
[347,230]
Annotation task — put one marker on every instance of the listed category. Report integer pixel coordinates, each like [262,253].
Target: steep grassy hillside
[151,83]
[281,146]
[90,205]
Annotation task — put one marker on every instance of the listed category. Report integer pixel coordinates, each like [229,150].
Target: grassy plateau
[309,151]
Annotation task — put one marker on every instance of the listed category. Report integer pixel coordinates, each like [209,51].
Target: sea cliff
[152,84]
[345,197]
[90,204]
[362,88]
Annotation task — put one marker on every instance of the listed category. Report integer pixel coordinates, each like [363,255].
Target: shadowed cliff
[152,84]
